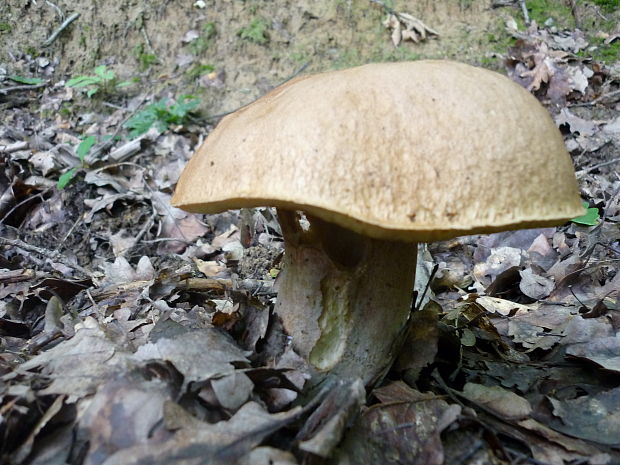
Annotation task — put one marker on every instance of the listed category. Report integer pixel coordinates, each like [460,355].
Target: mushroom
[364,163]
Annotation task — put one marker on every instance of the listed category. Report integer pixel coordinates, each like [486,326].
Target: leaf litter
[134,332]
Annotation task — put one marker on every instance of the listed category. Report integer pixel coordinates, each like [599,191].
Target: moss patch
[608,5]
[541,10]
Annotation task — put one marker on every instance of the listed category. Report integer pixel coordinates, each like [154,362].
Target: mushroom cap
[412,151]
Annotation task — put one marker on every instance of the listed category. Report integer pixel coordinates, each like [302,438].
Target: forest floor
[132,332]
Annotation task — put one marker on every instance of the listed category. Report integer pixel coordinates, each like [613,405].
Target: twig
[204,284]
[59,12]
[595,167]
[501,3]
[6,90]
[597,99]
[597,10]
[426,288]
[126,150]
[384,6]
[295,74]
[16,276]
[71,229]
[147,39]
[15,146]
[526,15]
[51,254]
[148,225]
[111,140]
[575,13]
[26,200]
[166,239]
[61,28]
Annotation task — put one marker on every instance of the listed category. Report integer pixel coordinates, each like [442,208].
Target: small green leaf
[104,73]
[65,178]
[83,81]
[160,115]
[27,80]
[91,92]
[85,146]
[590,218]
[124,84]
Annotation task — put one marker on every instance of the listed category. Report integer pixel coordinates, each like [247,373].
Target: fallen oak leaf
[502,402]
[414,24]
[393,23]
[405,424]
[407,27]
[197,442]
[199,355]
[603,351]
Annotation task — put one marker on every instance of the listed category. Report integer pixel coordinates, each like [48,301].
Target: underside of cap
[414,151]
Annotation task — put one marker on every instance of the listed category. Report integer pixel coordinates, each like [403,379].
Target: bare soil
[322,34]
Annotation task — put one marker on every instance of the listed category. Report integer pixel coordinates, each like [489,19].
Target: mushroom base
[344,298]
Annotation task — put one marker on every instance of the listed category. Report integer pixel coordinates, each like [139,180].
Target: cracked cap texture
[413,151]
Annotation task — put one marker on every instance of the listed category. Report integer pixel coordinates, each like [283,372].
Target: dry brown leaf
[535,285]
[404,428]
[501,306]
[199,355]
[604,351]
[195,442]
[506,404]
[77,366]
[407,27]
[209,268]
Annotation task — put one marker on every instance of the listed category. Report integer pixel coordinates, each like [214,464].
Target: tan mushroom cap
[413,151]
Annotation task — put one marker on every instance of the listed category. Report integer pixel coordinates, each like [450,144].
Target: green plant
[32,51]
[590,218]
[607,53]
[541,10]
[26,80]
[255,32]
[66,110]
[82,150]
[202,43]
[161,115]
[145,59]
[298,56]
[5,28]
[199,70]
[103,80]
[608,5]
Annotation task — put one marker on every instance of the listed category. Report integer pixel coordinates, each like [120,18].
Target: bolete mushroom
[379,158]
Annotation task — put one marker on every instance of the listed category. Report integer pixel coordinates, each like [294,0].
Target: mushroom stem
[344,298]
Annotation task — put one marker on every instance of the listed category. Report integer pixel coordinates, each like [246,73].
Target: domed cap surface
[413,151]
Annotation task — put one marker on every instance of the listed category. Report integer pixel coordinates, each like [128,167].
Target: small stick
[526,16]
[16,276]
[58,10]
[71,229]
[26,200]
[61,28]
[600,165]
[147,40]
[15,146]
[6,90]
[575,13]
[384,6]
[51,254]
[221,115]
[597,99]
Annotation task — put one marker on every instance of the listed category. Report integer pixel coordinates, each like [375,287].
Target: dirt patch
[252,45]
